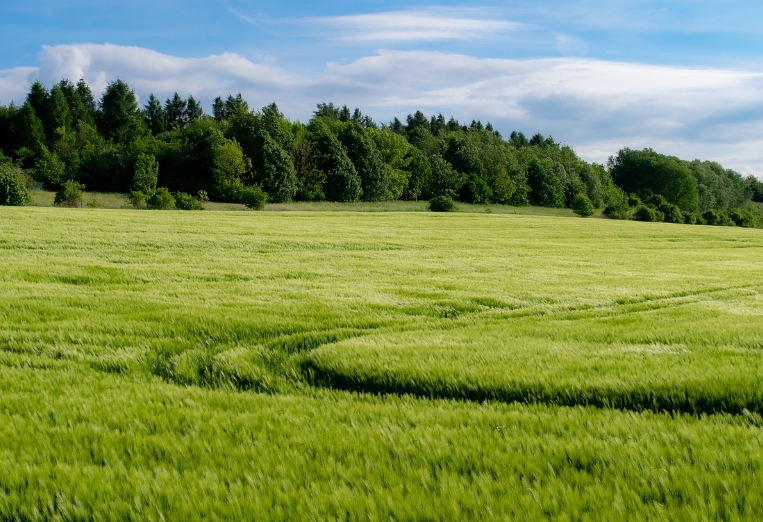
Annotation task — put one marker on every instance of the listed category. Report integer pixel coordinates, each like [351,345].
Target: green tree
[145,174]
[59,112]
[49,168]
[367,161]
[118,113]
[154,115]
[546,189]
[310,179]
[228,166]
[396,154]
[28,131]
[253,197]
[444,179]
[88,102]
[69,195]
[645,170]
[342,180]
[274,170]
[582,205]
[13,191]
[193,111]
[38,99]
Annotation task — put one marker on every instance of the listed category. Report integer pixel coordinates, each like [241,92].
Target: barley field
[322,365]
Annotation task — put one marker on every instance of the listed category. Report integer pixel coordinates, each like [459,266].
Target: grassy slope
[107,317]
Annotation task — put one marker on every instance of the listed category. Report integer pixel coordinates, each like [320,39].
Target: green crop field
[315,365]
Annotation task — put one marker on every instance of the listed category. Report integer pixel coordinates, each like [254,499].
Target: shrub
[138,199]
[441,204]
[253,197]
[634,201]
[13,191]
[582,206]
[69,195]
[742,217]
[672,213]
[717,218]
[93,203]
[618,208]
[693,218]
[184,201]
[647,213]
[161,200]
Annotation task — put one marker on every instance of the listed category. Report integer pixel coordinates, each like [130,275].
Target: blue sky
[683,77]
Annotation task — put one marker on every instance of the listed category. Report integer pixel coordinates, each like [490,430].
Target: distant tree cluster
[174,150]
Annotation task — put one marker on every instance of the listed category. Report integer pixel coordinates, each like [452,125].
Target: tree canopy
[63,134]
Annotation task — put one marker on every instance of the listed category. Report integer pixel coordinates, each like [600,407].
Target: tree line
[63,135]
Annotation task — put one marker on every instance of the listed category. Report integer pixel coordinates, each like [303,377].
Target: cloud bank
[595,106]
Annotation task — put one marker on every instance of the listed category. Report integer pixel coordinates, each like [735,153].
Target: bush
[185,201]
[161,200]
[582,206]
[70,195]
[742,217]
[647,213]
[13,191]
[693,218]
[717,218]
[634,200]
[441,204]
[138,199]
[253,197]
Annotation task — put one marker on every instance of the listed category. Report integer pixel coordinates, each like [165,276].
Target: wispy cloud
[596,106]
[417,25]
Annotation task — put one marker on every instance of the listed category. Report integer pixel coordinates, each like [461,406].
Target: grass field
[41,198]
[376,366]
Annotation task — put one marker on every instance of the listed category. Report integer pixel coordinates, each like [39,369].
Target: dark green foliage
[742,217]
[138,199]
[310,178]
[118,114]
[719,188]
[546,189]
[717,218]
[146,174]
[253,197]
[648,213]
[582,206]
[193,111]
[274,170]
[619,207]
[646,170]
[441,204]
[13,191]
[362,152]
[49,168]
[161,199]
[69,195]
[342,180]
[184,201]
[419,174]
[175,111]
[672,214]
[756,188]
[340,155]
[444,180]
[154,115]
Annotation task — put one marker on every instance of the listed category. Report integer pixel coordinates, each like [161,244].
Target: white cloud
[418,25]
[595,106]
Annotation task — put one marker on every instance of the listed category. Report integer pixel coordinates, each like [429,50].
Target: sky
[683,77]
